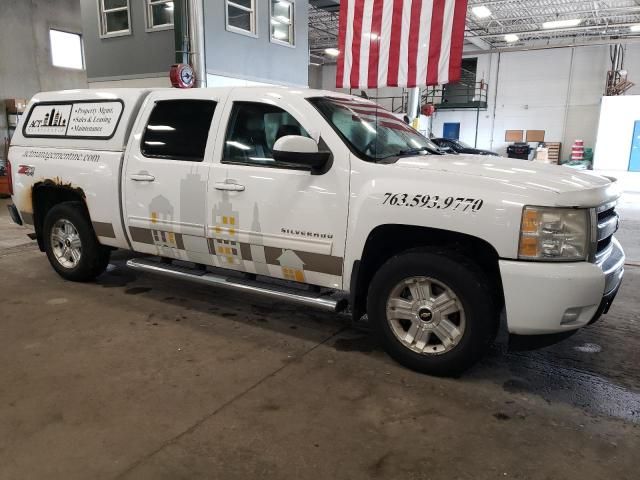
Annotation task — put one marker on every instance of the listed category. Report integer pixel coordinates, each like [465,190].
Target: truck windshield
[371,131]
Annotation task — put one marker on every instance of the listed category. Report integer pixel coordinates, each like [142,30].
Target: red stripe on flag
[457,41]
[357,41]
[414,40]
[435,45]
[374,48]
[342,40]
[394,46]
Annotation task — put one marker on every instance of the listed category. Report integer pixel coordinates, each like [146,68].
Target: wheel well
[386,241]
[45,196]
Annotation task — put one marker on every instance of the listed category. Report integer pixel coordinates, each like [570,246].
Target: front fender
[496,221]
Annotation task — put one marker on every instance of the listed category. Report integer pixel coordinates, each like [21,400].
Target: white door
[275,219]
[166,172]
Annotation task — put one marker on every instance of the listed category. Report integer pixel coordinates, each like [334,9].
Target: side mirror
[299,150]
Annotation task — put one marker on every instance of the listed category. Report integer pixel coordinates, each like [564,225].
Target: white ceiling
[600,20]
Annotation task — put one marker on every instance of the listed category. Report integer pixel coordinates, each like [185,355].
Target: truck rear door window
[178,130]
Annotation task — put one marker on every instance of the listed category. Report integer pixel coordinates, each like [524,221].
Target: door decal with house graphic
[225,245]
[292,266]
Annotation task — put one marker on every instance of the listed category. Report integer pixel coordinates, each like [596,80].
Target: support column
[413,107]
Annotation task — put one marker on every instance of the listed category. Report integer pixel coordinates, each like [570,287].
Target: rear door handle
[142,177]
[232,187]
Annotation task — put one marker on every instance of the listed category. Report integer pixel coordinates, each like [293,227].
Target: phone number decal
[461,204]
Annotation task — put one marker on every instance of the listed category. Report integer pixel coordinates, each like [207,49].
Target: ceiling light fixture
[511,37]
[561,23]
[635,28]
[334,52]
[481,11]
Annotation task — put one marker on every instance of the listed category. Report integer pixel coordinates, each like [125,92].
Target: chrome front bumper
[613,267]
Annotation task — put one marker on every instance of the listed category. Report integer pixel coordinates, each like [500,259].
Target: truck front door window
[178,130]
[253,130]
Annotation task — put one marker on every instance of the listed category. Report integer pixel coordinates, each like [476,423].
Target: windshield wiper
[413,151]
[416,151]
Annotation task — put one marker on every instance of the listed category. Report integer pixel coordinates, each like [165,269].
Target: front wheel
[71,244]
[433,311]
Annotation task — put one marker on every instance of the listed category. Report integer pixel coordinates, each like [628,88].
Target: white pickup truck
[322,199]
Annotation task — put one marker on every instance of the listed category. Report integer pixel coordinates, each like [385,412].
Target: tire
[442,337]
[67,228]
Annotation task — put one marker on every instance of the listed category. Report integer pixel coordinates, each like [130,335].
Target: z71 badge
[26,170]
[461,204]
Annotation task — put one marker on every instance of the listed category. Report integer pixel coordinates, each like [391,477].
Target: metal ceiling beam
[526,48]
[556,30]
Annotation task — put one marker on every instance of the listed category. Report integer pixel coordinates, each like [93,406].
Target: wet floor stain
[501,416]
[137,290]
[116,277]
[362,344]
[561,384]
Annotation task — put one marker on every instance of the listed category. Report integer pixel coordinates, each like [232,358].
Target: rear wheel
[433,311]
[71,244]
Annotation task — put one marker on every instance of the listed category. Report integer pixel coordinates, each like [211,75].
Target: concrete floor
[139,377]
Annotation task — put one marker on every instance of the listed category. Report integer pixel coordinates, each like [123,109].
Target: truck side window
[253,130]
[178,130]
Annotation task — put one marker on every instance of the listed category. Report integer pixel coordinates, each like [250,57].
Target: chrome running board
[204,277]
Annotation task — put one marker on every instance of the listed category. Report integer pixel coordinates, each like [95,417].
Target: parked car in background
[460,147]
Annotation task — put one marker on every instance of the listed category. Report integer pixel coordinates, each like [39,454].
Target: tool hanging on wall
[617,82]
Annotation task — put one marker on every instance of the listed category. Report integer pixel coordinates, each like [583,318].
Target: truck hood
[531,175]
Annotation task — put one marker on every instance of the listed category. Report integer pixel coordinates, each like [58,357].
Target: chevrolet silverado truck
[322,199]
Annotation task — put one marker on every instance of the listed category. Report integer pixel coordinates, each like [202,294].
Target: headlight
[554,234]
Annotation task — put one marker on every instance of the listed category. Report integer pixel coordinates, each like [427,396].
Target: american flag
[400,43]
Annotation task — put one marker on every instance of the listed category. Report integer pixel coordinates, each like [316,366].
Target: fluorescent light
[334,52]
[562,23]
[481,11]
[510,37]
[635,28]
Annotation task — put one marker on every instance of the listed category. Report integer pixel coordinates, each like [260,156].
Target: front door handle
[142,177]
[232,187]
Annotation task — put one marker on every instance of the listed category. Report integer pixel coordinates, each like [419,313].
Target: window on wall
[66,49]
[241,16]
[115,19]
[282,21]
[159,14]
[178,130]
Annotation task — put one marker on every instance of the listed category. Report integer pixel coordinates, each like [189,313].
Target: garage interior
[138,376]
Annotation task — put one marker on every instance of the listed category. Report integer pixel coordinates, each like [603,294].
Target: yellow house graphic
[292,266]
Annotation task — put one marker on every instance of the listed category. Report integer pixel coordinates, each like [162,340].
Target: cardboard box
[15,105]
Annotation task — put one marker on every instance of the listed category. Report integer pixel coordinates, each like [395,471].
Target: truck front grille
[607,224]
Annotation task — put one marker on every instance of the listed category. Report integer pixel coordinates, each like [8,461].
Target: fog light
[571,315]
